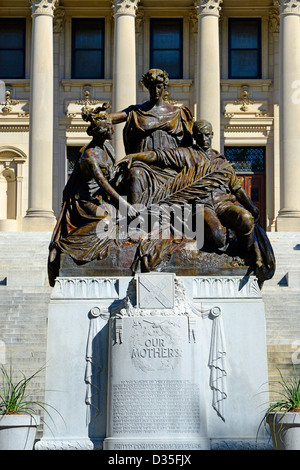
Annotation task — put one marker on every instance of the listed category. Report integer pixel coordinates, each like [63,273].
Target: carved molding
[78,288]
[67,444]
[208,7]
[225,287]
[125,7]
[9,103]
[288,7]
[43,7]
[58,21]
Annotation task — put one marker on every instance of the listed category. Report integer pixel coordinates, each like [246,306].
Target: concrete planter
[17,432]
[285,430]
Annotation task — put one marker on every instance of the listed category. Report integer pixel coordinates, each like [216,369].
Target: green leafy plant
[14,395]
[288,395]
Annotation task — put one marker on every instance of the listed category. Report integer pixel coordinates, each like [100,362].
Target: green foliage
[288,395]
[14,395]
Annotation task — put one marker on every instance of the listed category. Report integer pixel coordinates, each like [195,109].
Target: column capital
[125,7]
[43,7]
[208,7]
[289,7]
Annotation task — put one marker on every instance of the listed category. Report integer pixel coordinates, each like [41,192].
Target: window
[246,159]
[12,47]
[166,45]
[250,163]
[244,48]
[88,48]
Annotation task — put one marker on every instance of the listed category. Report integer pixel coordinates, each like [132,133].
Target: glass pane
[88,64]
[244,64]
[169,61]
[12,34]
[11,64]
[244,35]
[246,159]
[88,35]
[166,35]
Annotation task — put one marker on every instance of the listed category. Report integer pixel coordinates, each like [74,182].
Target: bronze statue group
[169,163]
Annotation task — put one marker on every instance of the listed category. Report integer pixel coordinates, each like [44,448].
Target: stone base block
[155,361]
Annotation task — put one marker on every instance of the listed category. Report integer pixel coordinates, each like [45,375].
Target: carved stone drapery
[208,7]
[43,7]
[125,7]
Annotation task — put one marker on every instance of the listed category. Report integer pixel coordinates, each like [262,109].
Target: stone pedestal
[178,362]
[155,396]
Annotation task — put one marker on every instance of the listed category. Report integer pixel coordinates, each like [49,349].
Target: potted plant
[283,415]
[18,412]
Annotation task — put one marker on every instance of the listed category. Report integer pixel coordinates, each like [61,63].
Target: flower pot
[285,430]
[17,432]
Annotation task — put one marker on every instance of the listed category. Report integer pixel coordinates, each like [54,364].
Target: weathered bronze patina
[169,163]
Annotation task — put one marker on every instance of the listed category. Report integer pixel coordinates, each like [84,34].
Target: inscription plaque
[146,406]
[155,398]
[155,345]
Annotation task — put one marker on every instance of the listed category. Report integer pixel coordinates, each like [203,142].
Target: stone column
[208,65]
[124,74]
[289,105]
[40,216]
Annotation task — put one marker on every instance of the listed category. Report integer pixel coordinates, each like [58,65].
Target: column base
[38,221]
[288,221]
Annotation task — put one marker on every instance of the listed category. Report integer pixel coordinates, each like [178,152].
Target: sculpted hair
[155,75]
[202,124]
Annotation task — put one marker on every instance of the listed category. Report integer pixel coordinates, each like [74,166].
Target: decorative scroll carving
[208,7]
[274,22]
[40,7]
[125,7]
[9,103]
[88,102]
[287,7]
[58,21]
[244,100]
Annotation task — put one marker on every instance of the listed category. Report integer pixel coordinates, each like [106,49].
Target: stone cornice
[124,7]
[289,7]
[208,7]
[43,7]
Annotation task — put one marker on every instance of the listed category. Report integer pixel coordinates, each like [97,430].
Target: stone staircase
[282,304]
[24,298]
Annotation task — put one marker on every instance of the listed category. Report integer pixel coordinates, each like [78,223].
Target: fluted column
[124,75]
[208,65]
[289,105]
[40,215]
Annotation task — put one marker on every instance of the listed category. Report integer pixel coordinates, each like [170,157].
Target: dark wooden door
[254,186]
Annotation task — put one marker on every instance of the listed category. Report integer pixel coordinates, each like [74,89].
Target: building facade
[235,63]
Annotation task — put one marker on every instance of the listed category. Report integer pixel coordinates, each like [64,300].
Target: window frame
[73,49]
[180,22]
[22,21]
[258,22]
